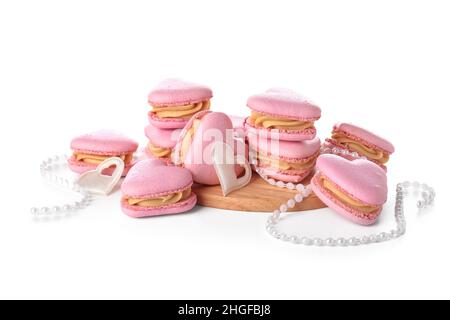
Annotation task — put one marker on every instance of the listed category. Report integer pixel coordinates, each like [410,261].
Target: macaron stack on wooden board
[281,134]
[173,103]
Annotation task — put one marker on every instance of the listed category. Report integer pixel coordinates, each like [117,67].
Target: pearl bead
[56,209]
[290,186]
[354,241]
[318,242]
[283,208]
[291,203]
[420,204]
[298,198]
[306,241]
[271,182]
[342,242]
[34,210]
[280,184]
[393,234]
[66,207]
[330,242]
[294,239]
[300,188]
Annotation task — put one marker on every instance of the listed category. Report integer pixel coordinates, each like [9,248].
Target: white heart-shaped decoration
[96,182]
[224,163]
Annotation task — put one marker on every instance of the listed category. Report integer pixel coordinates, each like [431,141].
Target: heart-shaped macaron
[282,114]
[89,150]
[152,188]
[194,147]
[359,142]
[356,189]
[174,101]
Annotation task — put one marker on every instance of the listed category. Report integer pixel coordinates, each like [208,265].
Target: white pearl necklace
[427,193]
[47,167]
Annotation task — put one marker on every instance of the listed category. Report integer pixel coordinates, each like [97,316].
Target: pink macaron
[288,161]
[195,144]
[175,101]
[282,114]
[152,188]
[357,189]
[89,150]
[161,142]
[360,142]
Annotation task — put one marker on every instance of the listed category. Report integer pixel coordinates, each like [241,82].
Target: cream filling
[159,152]
[188,138]
[185,111]
[264,121]
[97,159]
[284,165]
[368,152]
[161,201]
[345,198]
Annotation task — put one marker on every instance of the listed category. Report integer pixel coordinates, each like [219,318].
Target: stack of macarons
[173,103]
[281,134]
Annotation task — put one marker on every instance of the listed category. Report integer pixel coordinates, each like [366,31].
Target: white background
[71,67]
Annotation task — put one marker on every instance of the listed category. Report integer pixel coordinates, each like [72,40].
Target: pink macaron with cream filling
[362,142]
[152,188]
[356,189]
[89,150]
[288,161]
[161,142]
[194,147]
[282,114]
[175,101]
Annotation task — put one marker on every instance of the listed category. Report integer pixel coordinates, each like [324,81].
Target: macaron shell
[142,212]
[277,175]
[104,142]
[166,123]
[282,149]
[365,136]
[164,138]
[284,103]
[172,92]
[152,178]
[82,167]
[291,135]
[362,179]
[339,207]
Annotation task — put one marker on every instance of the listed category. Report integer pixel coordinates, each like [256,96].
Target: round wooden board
[257,196]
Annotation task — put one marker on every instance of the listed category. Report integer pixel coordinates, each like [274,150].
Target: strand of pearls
[403,189]
[47,167]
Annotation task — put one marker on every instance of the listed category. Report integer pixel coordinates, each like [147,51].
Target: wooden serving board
[257,196]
